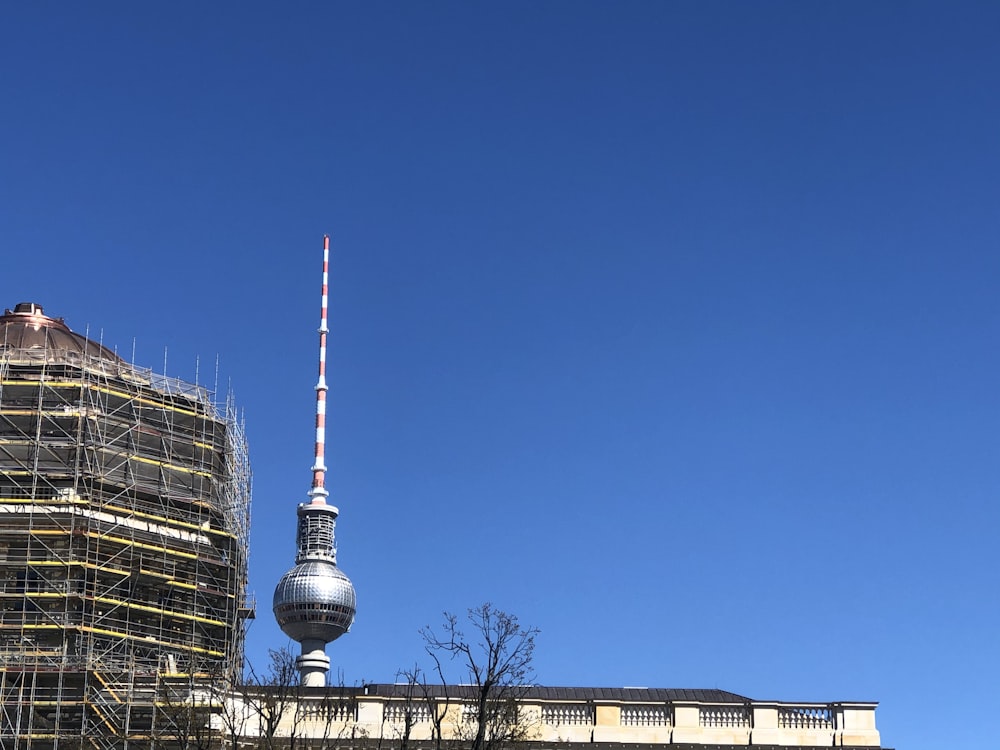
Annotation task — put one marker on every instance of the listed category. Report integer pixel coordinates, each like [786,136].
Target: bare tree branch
[498,664]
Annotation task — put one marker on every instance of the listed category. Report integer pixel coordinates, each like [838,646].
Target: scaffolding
[124,529]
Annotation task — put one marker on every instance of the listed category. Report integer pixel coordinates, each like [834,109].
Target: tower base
[314,664]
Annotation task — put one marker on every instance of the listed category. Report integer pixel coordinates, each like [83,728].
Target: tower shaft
[314,602]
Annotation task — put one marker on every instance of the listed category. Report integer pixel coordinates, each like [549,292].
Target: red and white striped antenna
[318,493]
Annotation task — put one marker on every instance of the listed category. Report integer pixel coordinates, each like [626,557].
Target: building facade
[415,716]
[124,521]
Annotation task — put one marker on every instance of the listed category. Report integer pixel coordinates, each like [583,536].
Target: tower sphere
[314,600]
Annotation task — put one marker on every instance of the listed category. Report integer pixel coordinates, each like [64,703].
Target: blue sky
[667,326]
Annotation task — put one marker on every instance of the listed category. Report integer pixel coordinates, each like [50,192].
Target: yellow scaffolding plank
[103,389]
[101,717]
[51,383]
[142,545]
[170,521]
[77,500]
[107,686]
[48,384]
[82,564]
[157,610]
[142,400]
[107,506]
[118,634]
[63,532]
[75,412]
[152,462]
[170,581]
[117,603]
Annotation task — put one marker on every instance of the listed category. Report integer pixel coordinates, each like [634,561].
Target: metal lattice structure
[124,525]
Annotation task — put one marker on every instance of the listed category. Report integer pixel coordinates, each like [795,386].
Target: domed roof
[29,329]
[315,600]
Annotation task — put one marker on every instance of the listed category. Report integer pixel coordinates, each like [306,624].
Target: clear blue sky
[670,327]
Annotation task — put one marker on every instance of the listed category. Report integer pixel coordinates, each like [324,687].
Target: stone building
[400,715]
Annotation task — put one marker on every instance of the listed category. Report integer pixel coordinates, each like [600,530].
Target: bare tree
[498,664]
[185,708]
[185,724]
[413,702]
[285,714]
[325,718]
[272,698]
[232,716]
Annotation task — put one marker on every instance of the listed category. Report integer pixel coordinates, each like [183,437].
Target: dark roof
[539,692]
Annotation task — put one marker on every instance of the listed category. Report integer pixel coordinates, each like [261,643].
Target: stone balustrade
[383,716]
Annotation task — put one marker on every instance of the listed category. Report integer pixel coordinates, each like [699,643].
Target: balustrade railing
[645,716]
[567,714]
[729,717]
[805,717]
[396,713]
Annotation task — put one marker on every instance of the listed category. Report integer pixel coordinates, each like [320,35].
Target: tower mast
[318,493]
[315,602]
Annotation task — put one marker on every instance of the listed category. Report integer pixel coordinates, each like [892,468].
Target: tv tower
[314,602]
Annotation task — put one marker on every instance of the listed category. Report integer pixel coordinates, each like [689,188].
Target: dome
[315,600]
[28,330]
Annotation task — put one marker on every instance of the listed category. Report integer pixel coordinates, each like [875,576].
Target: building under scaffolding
[124,521]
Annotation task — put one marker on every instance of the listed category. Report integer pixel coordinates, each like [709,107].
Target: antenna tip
[326,242]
